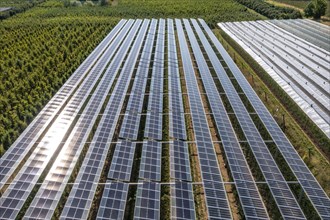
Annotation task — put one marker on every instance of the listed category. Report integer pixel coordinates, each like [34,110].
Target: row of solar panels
[300,170]
[309,30]
[143,44]
[300,68]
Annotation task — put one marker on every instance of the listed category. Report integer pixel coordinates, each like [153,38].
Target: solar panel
[308,182]
[297,71]
[315,59]
[177,120]
[153,128]
[130,126]
[215,195]
[113,201]
[59,174]
[131,122]
[179,160]
[182,198]
[129,53]
[78,206]
[306,82]
[177,128]
[319,38]
[292,79]
[14,155]
[147,204]
[313,24]
[150,165]
[122,161]
[303,43]
[310,71]
[280,190]
[182,201]
[52,139]
[123,156]
[249,196]
[312,30]
[314,112]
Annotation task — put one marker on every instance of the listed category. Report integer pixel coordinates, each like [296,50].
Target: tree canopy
[316,9]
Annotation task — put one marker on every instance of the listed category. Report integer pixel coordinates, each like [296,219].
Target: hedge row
[270,10]
[17,7]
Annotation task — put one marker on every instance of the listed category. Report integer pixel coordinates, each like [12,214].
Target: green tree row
[36,60]
[17,6]
[212,11]
[270,10]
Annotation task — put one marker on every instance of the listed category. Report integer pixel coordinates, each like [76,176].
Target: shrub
[316,9]
[271,11]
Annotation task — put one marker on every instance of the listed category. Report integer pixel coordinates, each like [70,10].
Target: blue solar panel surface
[309,184]
[250,198]
[215,195]
[141,130]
